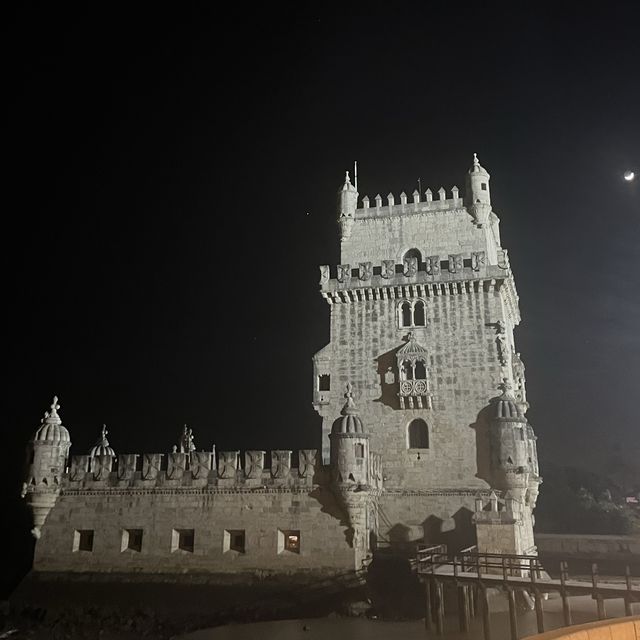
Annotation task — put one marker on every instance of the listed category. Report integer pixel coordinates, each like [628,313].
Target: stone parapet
[198,469]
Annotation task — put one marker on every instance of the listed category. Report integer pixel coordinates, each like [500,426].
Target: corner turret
[514,465]
[478,196]
[350,469]
[48,452]
[347,204]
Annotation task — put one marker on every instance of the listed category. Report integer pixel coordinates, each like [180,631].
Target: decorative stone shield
[455,263]
[280,463]
[307,462]
[344,272]
[101,466]
[200,463]
[253,463]
[79,467]
[176,465]
[127,466]
[433,265]
[477,260]
[228,464]
[324,274]
[151,463]
[410,267]
[388,268]
[364,271]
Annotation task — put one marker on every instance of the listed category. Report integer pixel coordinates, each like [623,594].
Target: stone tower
[423,306]
[48,451]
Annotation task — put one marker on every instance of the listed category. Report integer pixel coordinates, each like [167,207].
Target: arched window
[405,314]
[420,370]
[418,434]
[419,319]
[413,253]
[407,370]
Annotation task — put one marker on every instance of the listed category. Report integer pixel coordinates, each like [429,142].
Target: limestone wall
[262,514]
[387,233]
[464,363]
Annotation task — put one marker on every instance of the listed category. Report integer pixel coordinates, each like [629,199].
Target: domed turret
[478,196]
[350,469]
[347,205]
[48,452]
[513,457]
[102,446]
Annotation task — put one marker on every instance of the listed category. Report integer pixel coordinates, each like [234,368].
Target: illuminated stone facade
[416,446]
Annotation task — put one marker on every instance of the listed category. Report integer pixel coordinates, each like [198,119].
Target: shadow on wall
[483,444]
[388,374]
[457,532]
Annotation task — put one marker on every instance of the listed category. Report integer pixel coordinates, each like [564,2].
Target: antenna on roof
[355,174]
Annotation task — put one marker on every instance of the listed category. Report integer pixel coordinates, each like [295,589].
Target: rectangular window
[288,541]
[83,540]
[234,540]
[182,540]
[131,540]
[324,382]
[483,186]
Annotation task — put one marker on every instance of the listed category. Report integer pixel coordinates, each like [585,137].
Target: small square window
[288,541]
[131,540]
[83,540]
[483,186]
[234,540]
[182,540]
[324,382]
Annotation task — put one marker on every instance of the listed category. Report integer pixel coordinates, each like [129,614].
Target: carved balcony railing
[414,394]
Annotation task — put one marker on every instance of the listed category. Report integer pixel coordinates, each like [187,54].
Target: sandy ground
[334,628]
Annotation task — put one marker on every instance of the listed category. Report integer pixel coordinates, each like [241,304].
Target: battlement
[375,208]
[197,469]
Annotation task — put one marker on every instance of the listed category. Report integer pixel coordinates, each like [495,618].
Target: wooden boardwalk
[474,573]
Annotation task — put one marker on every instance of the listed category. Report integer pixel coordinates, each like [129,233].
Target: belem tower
[424,438]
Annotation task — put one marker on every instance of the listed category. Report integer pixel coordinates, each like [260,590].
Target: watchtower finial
[476,162]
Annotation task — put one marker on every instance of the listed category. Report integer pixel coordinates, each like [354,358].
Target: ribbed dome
[350,421]
[506,406]
[102,447]
[411,346]
[51,429]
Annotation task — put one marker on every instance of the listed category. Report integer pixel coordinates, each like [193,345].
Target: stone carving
[307,462]
[503,259]
[433,265]
[253,463]
[455,263]
[186,444]
[176,465]
[201,463]
[389,376]
[344,272]
[228,464]
[501,342]
[388,268]
[127,466]
[101,466]
[477,260]
[324,274]
[151,463]
[364,271]
[280,463]
[410,267]
[79,467]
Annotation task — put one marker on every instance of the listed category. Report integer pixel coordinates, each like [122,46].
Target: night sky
[169,192]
